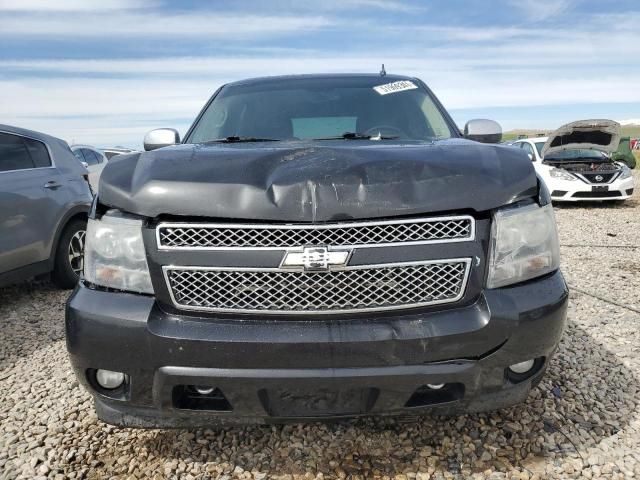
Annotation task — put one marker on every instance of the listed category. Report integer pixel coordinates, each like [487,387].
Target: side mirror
[161,137]
[530,156]
[484,131]
[85,164]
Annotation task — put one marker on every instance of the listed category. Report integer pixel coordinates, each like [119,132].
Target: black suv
[317,247]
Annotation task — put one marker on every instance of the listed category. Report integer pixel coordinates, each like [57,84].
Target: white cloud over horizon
[153,24]
[157,76]
[85,109]
[114,97]
[73,5]
[537,10]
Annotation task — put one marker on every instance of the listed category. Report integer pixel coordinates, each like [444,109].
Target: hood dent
[317,183]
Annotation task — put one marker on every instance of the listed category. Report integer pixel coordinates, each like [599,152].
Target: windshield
[539,146]
[577,154]
[321,108]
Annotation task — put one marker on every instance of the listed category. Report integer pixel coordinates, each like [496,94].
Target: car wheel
[69,260]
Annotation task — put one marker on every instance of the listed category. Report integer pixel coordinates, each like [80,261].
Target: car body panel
[33,215]
[597,134]
[317,181]
[33,210]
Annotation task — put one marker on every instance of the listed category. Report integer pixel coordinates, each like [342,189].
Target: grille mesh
[286,236]
[277,291]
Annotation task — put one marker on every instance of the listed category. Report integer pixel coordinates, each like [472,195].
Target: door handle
[52,185]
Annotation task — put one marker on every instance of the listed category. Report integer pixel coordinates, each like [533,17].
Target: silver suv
[44,201]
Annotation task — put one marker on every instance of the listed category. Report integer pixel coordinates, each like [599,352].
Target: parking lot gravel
[582,421]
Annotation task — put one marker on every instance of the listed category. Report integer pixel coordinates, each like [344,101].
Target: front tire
[69,259]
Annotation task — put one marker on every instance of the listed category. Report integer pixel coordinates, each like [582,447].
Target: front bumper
[275,370]
[579,191]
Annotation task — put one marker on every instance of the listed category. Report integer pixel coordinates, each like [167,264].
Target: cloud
[154,24]
[539,10]
[389,5]
[362,7]
[555,56]
[461,34]
[159,92]
[73,5]
[115,100]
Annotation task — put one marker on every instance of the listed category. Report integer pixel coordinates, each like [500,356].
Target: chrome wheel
[76,252]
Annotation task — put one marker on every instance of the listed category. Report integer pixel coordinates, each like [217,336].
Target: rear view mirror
[484,131]
[161,137]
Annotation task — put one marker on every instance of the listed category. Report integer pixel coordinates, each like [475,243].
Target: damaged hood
[601,135]
[317,181]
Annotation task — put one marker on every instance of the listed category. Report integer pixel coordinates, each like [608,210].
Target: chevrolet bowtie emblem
[315,259]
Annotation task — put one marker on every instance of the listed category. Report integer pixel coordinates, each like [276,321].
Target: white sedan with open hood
[575,162]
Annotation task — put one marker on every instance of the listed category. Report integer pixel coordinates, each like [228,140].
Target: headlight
[114,254]
[561,174]
[524,245]
[626,172]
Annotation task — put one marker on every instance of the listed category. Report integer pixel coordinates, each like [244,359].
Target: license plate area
[319,402]
[600,188]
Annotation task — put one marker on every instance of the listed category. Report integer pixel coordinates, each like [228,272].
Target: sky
[104,72]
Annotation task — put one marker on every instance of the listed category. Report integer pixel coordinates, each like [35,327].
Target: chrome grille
[225,236]
[358,288]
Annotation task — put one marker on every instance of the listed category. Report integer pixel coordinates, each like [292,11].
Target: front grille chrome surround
[361,288]
[365,234]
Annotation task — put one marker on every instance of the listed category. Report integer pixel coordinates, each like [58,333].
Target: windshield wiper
[236,139]
[358,136]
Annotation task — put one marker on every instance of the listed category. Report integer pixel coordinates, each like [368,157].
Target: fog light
[522,367]
[204,390]
[108,379]
[435,386]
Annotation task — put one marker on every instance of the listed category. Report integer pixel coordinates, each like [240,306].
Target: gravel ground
[582,421]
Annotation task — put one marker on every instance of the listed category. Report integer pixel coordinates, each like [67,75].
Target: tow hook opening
[435,393]
[200,397]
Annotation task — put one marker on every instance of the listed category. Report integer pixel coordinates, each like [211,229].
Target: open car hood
[601,135]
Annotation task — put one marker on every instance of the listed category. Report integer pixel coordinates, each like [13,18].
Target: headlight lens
[114,254]
[561,174]
[626,172]
[524,245]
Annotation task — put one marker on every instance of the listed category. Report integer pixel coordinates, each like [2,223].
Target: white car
[114,151]
[93,159]
[575,164]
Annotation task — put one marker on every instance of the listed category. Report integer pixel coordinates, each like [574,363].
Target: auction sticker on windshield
[395,87]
